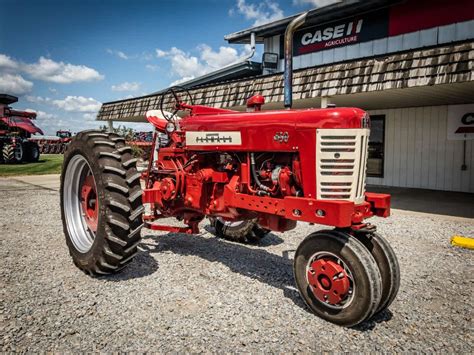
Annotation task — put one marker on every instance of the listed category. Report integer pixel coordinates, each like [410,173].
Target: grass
[47,164]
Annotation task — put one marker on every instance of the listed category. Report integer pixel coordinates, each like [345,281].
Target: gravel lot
[201,294]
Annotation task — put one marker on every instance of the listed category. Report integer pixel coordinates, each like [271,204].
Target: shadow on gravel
[271,269]
[270,238]
[143,265]
[382,317]
[258,264]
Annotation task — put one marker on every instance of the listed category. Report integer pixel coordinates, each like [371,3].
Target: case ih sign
[350,31]
[461,122]
[406,17]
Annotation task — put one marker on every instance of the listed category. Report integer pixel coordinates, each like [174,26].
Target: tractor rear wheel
[101,202]
[12,153]
[245,231]
[32,152]
[337,277]
[387,263]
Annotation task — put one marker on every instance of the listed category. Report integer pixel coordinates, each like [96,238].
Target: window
[375,161]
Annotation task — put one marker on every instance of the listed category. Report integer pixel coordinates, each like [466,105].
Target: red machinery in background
[16,129]
[53,144]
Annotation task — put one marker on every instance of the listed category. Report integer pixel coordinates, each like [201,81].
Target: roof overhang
[428,76]
[318,16]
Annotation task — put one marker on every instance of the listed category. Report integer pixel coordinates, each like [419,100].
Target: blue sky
[64,58]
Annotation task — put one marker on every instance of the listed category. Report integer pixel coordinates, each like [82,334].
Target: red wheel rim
[89,203]
[329,280]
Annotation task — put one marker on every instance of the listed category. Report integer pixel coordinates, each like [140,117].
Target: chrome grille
[341,163]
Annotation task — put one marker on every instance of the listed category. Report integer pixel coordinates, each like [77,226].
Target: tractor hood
[23,123]
[343,117]
[279,130]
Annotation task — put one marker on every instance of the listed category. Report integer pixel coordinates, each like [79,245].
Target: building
[409,63]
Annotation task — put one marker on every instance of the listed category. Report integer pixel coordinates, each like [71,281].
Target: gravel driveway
[202,294]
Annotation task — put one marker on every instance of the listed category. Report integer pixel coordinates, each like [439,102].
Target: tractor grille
[341,164]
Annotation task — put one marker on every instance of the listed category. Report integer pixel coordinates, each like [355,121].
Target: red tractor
[16,129]
[250,173]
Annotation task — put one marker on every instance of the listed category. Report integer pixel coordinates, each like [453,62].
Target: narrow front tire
[337,277]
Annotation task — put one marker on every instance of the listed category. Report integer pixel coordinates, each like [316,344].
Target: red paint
[23,123]
[416,15]
[255,103]
[185,183]
[328,281]
[89,202]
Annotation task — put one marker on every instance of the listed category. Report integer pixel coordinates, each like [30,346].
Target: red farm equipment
[53,144]
[250,173]
[16,130]
[142,141]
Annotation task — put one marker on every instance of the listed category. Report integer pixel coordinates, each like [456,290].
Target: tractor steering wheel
[173,98]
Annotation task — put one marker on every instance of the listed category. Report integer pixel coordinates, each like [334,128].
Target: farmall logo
[333,35]
[213,138]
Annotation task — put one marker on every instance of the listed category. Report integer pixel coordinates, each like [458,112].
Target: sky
[64,58]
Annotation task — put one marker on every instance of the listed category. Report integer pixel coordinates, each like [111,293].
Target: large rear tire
[245,231]
[337,277]
[13,153]
[101,202]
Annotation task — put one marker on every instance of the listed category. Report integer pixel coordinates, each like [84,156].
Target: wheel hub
[328,280]
[89,202]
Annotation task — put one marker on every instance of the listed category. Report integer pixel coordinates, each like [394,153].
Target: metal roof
[320,15]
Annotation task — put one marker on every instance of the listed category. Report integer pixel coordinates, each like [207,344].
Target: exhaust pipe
[288,74]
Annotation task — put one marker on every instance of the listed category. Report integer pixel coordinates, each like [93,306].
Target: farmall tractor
[250,173]
[16,129]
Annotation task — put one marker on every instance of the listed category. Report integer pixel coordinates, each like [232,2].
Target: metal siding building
[411,67]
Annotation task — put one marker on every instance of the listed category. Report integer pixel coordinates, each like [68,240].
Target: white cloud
[48,70]
[89,116]
[181,80]
[6,63]
[126,86]
[262,13]
[42,115]
[14,84]
[37,99]
[186,66]
[119,54]
[59,72]
[152,67]
[78,104]
[160,53]
[315,3]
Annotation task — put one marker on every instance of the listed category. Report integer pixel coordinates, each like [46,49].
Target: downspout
[288,74]
[252,48]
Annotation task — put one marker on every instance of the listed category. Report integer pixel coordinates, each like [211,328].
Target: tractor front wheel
[101,202]
[387,263]
[337,277]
